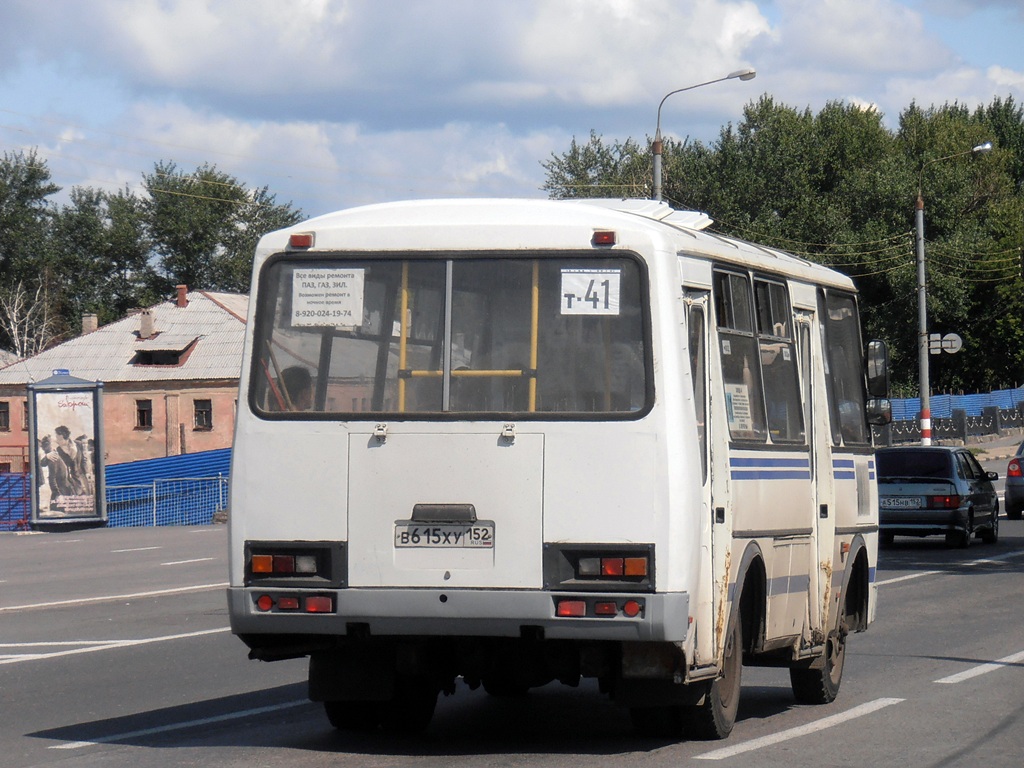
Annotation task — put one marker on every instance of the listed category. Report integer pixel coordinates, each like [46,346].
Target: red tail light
[1014,469]
[572,608]
[944,502]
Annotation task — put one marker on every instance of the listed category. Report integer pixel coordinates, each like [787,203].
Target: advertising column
[66,450]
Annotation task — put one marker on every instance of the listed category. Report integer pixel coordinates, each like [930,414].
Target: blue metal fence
[942,406]
[167,501]
[15,501]
[177,490]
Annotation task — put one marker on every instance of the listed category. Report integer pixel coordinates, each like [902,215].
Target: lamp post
[742,74]
[924,385]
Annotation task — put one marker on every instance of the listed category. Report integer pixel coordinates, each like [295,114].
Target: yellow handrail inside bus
[403,324]
[534,322]
[405,373]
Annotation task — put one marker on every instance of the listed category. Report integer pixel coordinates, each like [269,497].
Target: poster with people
[65,467]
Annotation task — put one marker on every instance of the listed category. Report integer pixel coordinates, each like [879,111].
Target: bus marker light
[603,237]
[287,603]
[262,563]
[284,564]
[606,609]
[265,602]
[301,240]
[636,566]
[612,566]
[571,608]
[632,608]
[319,605]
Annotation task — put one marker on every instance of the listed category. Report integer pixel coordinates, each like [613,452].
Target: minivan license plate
[900,502]
[479,535]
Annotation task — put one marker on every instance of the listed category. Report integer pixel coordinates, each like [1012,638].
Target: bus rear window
[491,335]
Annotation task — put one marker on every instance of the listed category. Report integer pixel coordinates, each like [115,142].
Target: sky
[337,103]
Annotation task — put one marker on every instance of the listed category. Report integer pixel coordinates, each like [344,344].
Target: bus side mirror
[878,411]
[878,369]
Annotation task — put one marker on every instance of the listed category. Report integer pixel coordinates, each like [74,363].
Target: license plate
[479,535]
[900,502]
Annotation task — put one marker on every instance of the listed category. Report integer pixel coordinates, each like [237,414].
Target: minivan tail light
[1014,469]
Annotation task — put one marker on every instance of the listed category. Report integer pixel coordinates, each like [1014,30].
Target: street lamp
[922,296]
[742,74]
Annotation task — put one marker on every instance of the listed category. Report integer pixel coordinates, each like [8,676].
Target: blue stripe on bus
[776,475]
[770,469]
[844,469]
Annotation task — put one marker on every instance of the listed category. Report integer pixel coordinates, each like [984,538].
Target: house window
[5,416]
[143,414]
[204,414]
[24,415]
[5,467]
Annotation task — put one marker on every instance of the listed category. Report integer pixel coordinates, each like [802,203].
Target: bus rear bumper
[662,617]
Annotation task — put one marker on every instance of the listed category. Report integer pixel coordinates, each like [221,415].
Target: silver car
[925,491]
[1015,485]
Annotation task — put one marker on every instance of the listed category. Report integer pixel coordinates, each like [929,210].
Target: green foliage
[204,225]
[107,253]
[595,170]
[839,188]
[25,215]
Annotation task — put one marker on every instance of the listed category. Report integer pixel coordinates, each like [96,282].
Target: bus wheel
[715,718]
[505,687]
[411,708]
[363,716]
[820,684]
[664,722]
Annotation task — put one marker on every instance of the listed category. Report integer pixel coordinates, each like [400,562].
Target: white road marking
[104,645]
[803,730]
[969,564]
[905,578]
[982,669]
[109,598]
[186,562]
[181,726]
[134,549]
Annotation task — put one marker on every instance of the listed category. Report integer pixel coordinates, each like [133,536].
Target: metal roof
[217,320]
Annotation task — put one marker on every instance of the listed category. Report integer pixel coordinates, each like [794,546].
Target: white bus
[513,442]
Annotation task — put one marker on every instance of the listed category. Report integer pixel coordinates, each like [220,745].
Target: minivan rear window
[918,463]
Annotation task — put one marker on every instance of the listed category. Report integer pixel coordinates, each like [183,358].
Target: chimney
[90,322]
[147,325]
[182,295]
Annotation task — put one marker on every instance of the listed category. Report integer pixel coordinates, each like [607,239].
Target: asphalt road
[114,651]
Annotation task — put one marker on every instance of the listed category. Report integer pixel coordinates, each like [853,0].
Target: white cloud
[336,102]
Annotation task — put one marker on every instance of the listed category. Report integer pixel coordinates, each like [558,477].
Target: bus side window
[699,374]
[737,346]
[778,362]
[844,368]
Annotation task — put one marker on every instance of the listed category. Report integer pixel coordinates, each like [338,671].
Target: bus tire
[503,687]
[819,684]
[411,708]
[715,717]
[665,722]
[361,716]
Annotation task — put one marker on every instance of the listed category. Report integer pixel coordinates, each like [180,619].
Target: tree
[25,249]
[839,188]
[26,319]
[103,265]
[595,170]
[201,225]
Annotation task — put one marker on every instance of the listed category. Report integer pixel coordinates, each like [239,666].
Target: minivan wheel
[959,539]
[991,534]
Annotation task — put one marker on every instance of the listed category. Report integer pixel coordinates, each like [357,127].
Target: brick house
[169,372]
